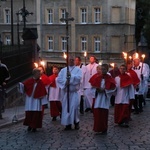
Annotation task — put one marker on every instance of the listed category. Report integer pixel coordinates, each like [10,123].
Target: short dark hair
[56,67]
[78,58]
[106,66]
[123,66]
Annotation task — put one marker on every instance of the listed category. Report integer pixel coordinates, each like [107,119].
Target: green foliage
[142,19]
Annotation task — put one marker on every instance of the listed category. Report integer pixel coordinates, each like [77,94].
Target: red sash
[40,90]
[52,80]
[134,77]
[125,80]
[45,79]
[96,79]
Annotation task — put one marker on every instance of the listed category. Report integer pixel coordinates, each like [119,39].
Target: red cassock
[101,114]
[55,106]
[34,118]
[122,111]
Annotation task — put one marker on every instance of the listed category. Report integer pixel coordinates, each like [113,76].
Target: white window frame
[97,15]
[63,14]
[97,44]
[7,40]
[50,16]
[83,43]
[50,43]
[83,12]
[7,15]
[63,43]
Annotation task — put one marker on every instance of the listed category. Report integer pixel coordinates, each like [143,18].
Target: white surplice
[72,116]
[123,95]
[89,92]
[31,103]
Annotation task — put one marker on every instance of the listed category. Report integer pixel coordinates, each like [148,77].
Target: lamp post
[12,24]
[18,29]
[24,13]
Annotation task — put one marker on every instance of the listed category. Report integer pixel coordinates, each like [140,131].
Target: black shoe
[88,109]
[29,128]
[34,130]
[77,127]
[81,112]
[104,132]
[54,119]
[125,125]
[68,127]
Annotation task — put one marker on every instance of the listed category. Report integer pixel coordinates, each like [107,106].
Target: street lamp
[24,13]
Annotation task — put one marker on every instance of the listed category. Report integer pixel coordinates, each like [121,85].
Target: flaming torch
[113,66]
[85,54]
[65,56]
[143,57]
[36,65]
[125,57]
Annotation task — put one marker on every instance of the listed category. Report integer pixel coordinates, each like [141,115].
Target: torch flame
[136,55]
[85,54]
[143,56]
[36,65]
[42,63]
[130,57]
[65,56]
[112,64]
[125,55]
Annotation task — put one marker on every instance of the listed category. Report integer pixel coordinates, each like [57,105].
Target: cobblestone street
[53,137]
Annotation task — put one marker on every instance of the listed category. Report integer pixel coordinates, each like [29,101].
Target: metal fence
[19,61]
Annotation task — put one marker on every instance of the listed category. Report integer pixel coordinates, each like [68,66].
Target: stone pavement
[53,137]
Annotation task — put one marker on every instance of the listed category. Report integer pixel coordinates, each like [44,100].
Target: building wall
[115,30]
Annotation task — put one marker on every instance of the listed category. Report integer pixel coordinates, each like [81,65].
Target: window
[7,40]
[50,16]
[63,14]
[97,15]
[116,15]
[50,43]
[83,15]
[97,46]
[7,16]
[63,43]
[83,44]
[115,44]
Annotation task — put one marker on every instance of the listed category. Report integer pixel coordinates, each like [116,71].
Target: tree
[142,20]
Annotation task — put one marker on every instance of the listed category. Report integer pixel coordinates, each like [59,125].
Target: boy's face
[92,60]
[122,69]
[103,70]
[55,70]
[41,70]
[37,75]
[99,70]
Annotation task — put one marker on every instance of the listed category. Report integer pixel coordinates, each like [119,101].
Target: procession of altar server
[86,88]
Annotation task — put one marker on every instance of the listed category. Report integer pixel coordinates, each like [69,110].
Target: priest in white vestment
[73,78]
